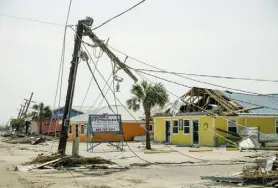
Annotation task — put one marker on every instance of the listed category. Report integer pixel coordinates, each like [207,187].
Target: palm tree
[147,96]
[40,112]
[17,124]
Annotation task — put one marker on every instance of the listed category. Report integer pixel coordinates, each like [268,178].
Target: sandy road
[151,176]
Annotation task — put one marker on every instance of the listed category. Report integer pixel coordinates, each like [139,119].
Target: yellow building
[207,117]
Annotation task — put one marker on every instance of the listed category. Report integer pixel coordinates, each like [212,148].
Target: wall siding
[159,129]
[266,125]
[206,136]
[130,131]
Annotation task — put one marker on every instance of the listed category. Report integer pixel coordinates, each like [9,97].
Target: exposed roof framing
[209,100]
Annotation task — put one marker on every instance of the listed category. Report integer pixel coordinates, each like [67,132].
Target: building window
[151,128]
[276,125]
[70,129]
[186,126]
[175,126]
[232,126]
[82,129]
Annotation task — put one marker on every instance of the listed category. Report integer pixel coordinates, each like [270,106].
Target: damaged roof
[223,103]
[268,103]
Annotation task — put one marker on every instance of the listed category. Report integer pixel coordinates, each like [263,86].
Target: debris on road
[263,171]
[38,141]
[56,161]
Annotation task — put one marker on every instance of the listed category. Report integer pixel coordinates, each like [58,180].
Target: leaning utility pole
[71,83]
[20,110]
[28,104]
[109,53]
[83,28]
[23,110]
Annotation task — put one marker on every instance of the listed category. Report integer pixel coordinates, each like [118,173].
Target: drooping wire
[214,114]
[118,15]
[89,86]
[213,131]
[61,71]
[131,115]
[210,76]
[180,75]
[180,84]
[32,20]
[121,105]
[92,107]
[98,84]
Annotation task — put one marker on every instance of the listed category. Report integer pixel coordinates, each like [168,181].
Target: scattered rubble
[27,140]
[57,161]
[68,160]
[262,171]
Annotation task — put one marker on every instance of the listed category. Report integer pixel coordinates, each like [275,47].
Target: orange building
[132,124]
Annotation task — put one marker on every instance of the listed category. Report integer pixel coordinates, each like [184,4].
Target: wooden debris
[237,174]
[40,140]
[251,180]
[47,163]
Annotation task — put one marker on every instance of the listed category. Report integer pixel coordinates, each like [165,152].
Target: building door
[76,130]
[167,131]
[195,124]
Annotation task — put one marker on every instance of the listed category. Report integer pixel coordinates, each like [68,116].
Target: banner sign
[105,123]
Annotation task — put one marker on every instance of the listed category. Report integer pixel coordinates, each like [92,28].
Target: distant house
[53,125]
[205,117]
[132,124]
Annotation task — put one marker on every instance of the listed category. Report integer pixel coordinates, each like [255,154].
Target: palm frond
[35,107]
[138,92]
[47,112]
[133,104]
[162,97]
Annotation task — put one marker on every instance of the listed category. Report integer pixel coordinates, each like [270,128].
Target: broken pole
[71,83]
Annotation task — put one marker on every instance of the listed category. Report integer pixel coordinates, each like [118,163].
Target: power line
[211,76]
[206,110]
[89,86]
[116,98]
[180,84]
[61,72]
[109,20]
[180,75]
[32,20]
[104,96]
[202,109]
[119,102]
[190,87]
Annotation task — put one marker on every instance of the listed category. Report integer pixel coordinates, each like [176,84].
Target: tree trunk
[26,128]
[17,129]
[40,121]
[148,139]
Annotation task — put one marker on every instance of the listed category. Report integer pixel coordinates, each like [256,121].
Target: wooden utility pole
[28,104]
[83,29]
[20,110]
[23,110]
[71,83]
[109,53]
[25,113]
